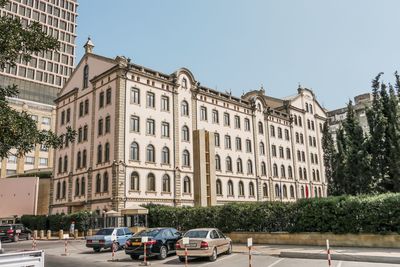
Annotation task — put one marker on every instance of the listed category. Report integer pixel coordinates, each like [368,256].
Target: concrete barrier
[76,234]
[319,239]
[35,235]
[90,232]
[61,234]
[48,234]
[41,234]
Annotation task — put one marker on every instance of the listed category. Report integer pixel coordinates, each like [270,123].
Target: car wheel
[15,238]
[163,253]
[135,257]
[28,237]
[96,249]
[181,259]
[229,251]
[213,257]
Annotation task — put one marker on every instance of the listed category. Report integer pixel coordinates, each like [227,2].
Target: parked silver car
[104,238]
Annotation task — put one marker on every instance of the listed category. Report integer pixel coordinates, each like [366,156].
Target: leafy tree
[17,129]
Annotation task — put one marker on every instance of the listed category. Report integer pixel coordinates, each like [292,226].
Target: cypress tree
[328,147]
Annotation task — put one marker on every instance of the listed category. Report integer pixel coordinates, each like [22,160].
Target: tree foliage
[17,129]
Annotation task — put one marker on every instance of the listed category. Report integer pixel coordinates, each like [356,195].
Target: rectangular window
[68,115]
[100,127]
[85,133]
[150,127]
[86,106]
[80,133]
[80,109]
[246,124]
[203,113]
[62,117]
[101,100]
[227,119]
[216,139]
[273,150]
[30,160]
[165,103]
[108,124]
[135,124]
[228,144]
[150,100]
[43,161]
[46,121]
[248,146]
[165,129]
[237,122]
[215,116]
[135,96]
[12,159]
[238,143]
[108,96]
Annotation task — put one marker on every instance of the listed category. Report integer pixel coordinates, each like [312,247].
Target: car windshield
[197,234]
[107,231]
[4,227]
[150,232]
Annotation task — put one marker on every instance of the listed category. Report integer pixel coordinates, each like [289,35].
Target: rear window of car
[151,232]
[105,232]
[4,227]
[197,234]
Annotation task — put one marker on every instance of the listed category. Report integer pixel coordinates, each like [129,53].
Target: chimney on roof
[89,46]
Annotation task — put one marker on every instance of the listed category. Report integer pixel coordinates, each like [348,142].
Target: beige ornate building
[145,136]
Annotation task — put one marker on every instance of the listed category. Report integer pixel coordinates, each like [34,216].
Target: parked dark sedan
[14,232]
[161,242]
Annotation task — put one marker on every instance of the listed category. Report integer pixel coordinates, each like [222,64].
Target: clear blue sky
[334,47]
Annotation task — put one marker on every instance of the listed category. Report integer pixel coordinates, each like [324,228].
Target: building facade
[145,136]
[41,79]
[361,104]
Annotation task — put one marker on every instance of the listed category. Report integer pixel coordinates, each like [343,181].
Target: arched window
[241,189]
[107,152]
[318,179]
[260,128]
[60,165]
[78,160]
[277,191]
[300,173]
[288,155]
[186,185]
[283,174]
[65,163]
[291,191]
[306,107]
[263,168]
[58,194]
[275,170]
[219,187]
[105,182]
[305,173]
[239,165]
[228,164]
[302,192]
[265,190]
[166,185]
[311,109]
[86,76]
[83,186]
[251,189]
[184,108]
[315,192]
[186,158]
[84,158]
[249,167]
[151,182]
[185,133]
[165,155]
[313,175]
[99,154]
[262,148]
[150,155]
[134,181]
[77,184]
[98,183]
[184,83]
[230,188]
[284,189]
[134,151]
[320,192]
[217,162]
[64,189]
[290,172]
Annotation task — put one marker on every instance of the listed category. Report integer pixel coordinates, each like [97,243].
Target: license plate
[191,245]
[2,233]
[136,243]
[95,241]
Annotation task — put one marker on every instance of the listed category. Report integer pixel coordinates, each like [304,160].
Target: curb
[342,257]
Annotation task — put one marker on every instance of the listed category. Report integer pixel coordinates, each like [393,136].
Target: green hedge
[344,214]
[58,221]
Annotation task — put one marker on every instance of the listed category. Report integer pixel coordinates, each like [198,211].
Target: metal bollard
[329,252]
[33,244]
[41,233]
[65,248]
[48,234]
[1,249]
[60,234]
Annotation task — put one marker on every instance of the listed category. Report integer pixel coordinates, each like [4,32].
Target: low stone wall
[319,239]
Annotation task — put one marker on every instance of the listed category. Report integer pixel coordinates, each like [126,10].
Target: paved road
[79,255]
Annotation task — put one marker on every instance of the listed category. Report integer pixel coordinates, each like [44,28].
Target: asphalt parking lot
[79,255]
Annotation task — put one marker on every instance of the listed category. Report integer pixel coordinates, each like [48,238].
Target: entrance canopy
[134,210]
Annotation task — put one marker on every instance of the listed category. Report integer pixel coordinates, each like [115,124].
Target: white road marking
[339,264]
[275,263]
[220,259]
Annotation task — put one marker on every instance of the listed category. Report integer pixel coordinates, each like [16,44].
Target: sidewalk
[379,255]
